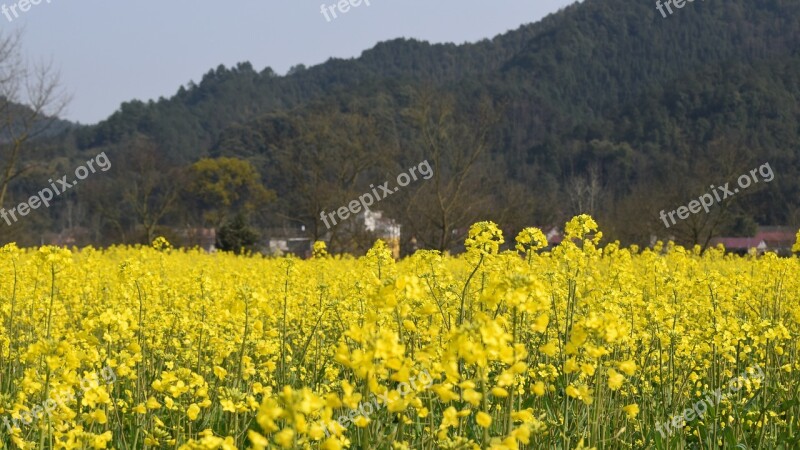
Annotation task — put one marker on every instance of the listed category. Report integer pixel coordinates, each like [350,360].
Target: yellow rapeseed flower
[615,379]
[631,410]
[483,419]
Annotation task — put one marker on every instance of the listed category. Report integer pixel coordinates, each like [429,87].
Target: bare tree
[30,101]
[441,210]
[328,164]
[645,210]
[585,191]
[724,161]
[150,189]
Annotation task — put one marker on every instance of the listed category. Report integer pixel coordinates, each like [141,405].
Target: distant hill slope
[190,121]
[46,127]
[582,61]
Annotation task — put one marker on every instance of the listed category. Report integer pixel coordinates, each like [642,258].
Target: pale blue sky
[114,51]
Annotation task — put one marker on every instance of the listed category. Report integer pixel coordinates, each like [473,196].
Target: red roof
[737,243]
[771,237]
[779,234]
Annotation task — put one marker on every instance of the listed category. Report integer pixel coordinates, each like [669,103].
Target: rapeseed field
[585,345]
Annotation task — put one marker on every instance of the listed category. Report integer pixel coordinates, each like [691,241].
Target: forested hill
[605,107]
[190,121]
[590,55]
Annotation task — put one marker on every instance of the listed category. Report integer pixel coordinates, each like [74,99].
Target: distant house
[554,235]
[205,238]
[773,239]
[385,228]
[740,245]
[778,239]
[288,240]
[76,236]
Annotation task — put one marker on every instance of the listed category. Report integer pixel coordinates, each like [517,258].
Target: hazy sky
[114,51]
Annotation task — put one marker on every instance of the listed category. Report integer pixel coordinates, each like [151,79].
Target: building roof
[733,243]
[765,238]
[776,234]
